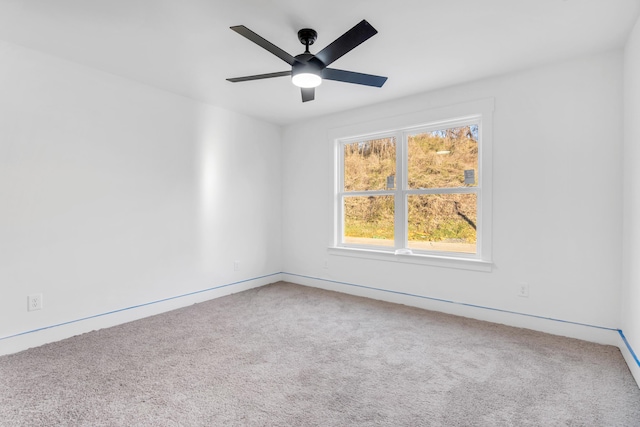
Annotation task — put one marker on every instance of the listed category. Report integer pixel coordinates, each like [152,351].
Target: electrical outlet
[34,302]
[523,290]
[325,264]
[236,265]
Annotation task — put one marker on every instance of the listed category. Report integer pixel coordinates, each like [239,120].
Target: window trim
[480,111]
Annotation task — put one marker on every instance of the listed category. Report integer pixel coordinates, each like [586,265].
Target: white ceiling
[186,46]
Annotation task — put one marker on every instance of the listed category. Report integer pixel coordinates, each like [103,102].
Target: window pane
[369,220]
[443,222]
[443,158]
[370,165]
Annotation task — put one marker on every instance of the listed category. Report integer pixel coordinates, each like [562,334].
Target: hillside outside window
[412,191]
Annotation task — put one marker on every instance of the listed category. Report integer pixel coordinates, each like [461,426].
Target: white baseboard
[591,333]
[51,333]
[597,334]
[630,356]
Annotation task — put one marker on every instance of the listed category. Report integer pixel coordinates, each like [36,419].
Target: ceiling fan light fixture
[308,70]
[306,80]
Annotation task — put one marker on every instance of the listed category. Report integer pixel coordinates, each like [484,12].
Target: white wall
[114,194]
[557,203]
[631,235]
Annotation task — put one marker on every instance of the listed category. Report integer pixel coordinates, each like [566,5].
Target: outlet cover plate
[34,302]
[523,290]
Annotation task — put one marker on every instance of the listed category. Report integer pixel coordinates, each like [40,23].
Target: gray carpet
[287,355]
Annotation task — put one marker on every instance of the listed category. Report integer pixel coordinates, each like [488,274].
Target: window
[417,190]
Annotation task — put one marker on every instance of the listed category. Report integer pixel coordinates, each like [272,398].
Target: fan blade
[244,31]
[343,44]
[260,76]
[352,77]
[308,94]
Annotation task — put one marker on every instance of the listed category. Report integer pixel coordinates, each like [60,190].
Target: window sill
[422,259]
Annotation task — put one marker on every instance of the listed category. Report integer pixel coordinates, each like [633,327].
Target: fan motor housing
[308,63]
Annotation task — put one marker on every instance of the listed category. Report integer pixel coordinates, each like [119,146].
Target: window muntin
[434,187]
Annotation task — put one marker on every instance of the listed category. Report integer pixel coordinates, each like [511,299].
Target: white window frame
[476,112]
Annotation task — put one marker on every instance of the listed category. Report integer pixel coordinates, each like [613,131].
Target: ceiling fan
[307,69]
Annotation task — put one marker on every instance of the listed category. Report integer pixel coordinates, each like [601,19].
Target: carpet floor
[288,355]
